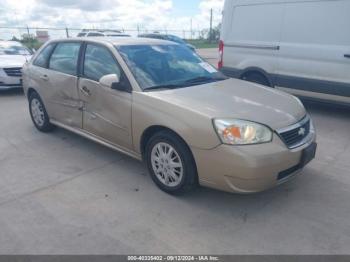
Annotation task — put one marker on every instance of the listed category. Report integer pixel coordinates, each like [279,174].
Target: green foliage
[29,41]
[203,43]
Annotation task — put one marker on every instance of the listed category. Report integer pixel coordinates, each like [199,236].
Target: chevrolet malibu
[161,103]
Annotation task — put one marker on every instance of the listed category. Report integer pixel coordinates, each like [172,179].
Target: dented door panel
[65,105]
[106,113]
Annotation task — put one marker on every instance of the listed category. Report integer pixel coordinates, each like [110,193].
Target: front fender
[195,129]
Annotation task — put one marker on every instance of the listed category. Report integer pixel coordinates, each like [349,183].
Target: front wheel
[38,113]
[170,163]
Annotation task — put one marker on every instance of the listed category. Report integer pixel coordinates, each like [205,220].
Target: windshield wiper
[203,79]
[199,79]
[186,83]
[170,86]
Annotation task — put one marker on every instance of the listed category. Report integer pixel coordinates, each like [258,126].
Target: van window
[256,23]
[324,23]
[65,58]
[42,59]
[99,62]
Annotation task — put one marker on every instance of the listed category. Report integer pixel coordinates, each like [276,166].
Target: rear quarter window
[42,59]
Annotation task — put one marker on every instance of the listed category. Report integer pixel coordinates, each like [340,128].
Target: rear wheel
[256,78]
[38,113]
[170,163]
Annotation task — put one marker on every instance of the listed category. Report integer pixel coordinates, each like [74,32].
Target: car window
[65,58]
[99,62]
[42,59]
[175,39]
[95,34]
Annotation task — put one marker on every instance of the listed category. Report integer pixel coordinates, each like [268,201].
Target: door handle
[347,55]
[85,91]
[44,77]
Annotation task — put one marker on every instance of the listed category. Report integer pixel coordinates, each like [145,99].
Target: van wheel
[38,113]
[170,163]
[256,78]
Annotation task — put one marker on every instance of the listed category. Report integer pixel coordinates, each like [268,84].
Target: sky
[117,14]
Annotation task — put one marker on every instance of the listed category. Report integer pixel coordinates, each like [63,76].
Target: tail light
[221,54]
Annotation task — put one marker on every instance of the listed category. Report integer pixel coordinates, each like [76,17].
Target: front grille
[296,134]
[13,71]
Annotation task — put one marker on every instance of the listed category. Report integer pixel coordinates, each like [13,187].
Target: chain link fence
[41,33]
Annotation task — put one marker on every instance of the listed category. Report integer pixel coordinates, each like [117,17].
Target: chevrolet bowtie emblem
[301,131]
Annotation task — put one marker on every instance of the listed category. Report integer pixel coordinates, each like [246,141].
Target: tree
[214,35]
[30,41]
[15,39]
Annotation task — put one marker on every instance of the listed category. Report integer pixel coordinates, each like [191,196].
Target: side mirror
[109,80]
[113,81]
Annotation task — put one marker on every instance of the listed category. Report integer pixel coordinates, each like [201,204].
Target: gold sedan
[161,103]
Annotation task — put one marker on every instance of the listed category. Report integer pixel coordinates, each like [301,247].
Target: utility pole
[211,26]
[28,31]
[191,30]
[67,32]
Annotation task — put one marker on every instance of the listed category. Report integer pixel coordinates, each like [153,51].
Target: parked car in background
[302,47]
[12,57]
[103,33]
[159,102]
[172,38]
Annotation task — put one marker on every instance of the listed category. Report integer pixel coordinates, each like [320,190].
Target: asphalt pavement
[63,194]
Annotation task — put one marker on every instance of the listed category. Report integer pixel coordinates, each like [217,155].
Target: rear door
[61,80]
[107,112]
[315,42]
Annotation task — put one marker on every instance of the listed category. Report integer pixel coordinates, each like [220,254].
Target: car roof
[119,41]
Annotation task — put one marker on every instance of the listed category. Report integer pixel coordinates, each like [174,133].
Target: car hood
[237,99]
[13,60]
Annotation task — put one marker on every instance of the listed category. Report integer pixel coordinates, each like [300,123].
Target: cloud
[116,14]
[84,5]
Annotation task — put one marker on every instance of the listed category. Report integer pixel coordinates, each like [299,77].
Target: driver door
[106,112]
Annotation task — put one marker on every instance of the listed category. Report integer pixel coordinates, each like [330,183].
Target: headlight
[242,132]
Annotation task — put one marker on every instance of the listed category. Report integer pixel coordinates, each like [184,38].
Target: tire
[256,78]
[38,113]
[179,174]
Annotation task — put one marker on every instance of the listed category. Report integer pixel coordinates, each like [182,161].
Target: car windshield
[167,66]
[118,35]
[11,49]
[176,39]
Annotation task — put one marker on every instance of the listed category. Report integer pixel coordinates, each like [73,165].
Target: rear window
[42,59]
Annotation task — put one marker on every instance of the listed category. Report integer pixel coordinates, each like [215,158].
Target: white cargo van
[300,46]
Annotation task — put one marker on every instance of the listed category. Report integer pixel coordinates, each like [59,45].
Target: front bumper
[4,86]
[9,82]
[249,169]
